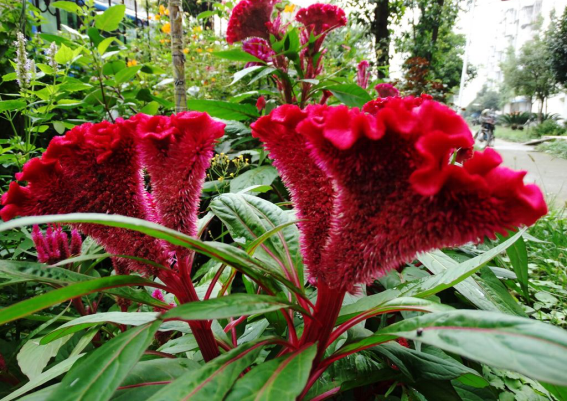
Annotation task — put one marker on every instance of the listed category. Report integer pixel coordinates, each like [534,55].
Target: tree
[379,16]
[485,99]
[557,47]
[431,43]
[530,73]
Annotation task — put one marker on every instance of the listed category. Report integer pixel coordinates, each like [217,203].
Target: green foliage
[557,47]
[549,127]
[555,148]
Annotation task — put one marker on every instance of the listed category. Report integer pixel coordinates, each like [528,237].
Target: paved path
[549,172]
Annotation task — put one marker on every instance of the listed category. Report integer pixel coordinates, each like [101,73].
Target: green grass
[548,268]
[555,148]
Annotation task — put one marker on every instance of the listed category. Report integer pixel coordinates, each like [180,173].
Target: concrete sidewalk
[549,172]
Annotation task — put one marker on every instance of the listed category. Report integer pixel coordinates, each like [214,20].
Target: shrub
[549,127]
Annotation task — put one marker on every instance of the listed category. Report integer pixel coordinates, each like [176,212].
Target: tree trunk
[178,58]
[381,34]
[540,112]
[435,29]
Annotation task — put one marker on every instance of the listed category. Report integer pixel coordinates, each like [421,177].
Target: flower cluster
[54,246]
[24,66]
[97,168]
[382,185]
[252,23]
[362,74]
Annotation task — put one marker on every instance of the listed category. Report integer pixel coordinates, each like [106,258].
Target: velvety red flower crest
[259,48]
[249,18]
[397,191]
[386,90]
[321,18]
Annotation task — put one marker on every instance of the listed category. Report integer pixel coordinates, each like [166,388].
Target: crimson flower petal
[311,191]
[94,168]
[320,18]
[397,194]
[176,152]
[249,19]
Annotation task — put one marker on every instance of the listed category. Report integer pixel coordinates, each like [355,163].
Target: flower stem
[319,328]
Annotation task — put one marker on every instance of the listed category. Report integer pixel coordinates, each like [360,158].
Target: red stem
[319,328]
[213,282]
[326,394]
[144,384]
[234,323]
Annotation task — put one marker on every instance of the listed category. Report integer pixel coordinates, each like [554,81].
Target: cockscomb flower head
[259,48]
[54,246]
[386,90]
[176,152]
[321,18]
[362,74]
[94,168]
[397,191]
[250,18]
[311,191]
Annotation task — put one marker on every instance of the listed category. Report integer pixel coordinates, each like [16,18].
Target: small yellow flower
[149,17]
[221,179]
[166,28]
[161,9]
[199,50]
[213,79]
[186,50]
[289,8]
[132,63]
[157,17]
[197,29]
[162,41]
[210,50]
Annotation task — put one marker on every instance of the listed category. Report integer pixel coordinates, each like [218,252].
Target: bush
[549,127]
[556,148]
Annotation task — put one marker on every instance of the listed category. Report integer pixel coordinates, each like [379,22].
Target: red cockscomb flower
[259,48]
[311,190]
[386,90]
[94,168]
[321,18]
[362,75]
[54,246]
[176,152]
[397,192]
[249,19]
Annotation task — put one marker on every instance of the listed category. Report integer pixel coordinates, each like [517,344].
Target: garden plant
[320,236]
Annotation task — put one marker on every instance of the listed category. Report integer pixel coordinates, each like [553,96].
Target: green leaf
[395,305]
[450,277]
[147,377]
[530,347]
[110,19]
[224,110]
[558,391]
[68,6]
[485,291]
[245,72]
[263,175]
[64,55]
[151,108]
[84,322]
[45,377]
[416,365]
[34,356]
[518,255]
[237,55]
[10,105]
[206,14]
[102,46]
[29,306]
[99,374]
[224,253]
[226,307]
[113,67]
[250,217]
[281,379]
[213,380]
[350,94]
[126,74]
